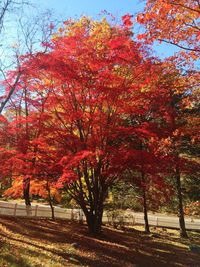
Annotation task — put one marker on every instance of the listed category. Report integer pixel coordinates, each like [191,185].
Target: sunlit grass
[19,250]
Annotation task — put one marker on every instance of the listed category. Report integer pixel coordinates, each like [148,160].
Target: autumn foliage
[173,22]
[90,109]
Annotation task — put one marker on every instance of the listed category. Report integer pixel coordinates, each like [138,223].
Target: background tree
[7,8]
[28,33]
[32,34]
[173,22]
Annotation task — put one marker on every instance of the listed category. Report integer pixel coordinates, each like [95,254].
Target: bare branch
[13,87]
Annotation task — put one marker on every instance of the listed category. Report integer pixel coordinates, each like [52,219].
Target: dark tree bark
[145,209]
[26,191]
[50,202]
[26,194]
[91,204]
[94,221]
[183,232]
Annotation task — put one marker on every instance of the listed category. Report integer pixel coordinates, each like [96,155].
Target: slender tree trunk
[183,232]
[26,194]
[52,209]
[145,209]
[26,185]
[50,202]
[26,191]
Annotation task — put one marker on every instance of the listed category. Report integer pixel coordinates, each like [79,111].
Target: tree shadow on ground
[111,248]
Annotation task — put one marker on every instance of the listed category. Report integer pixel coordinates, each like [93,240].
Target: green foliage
[124,196]
[119,218]
[192,188]
[67,201]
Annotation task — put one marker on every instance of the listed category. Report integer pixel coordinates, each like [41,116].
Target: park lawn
[32,243]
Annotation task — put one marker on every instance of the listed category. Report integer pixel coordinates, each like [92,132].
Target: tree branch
[180,46]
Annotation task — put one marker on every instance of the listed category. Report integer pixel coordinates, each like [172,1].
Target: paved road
[128,216]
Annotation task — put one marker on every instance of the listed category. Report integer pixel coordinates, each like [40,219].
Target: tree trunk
[94,222]
[183,232]
[50,202]
[94,218]
[92,203]
[26,194]
[145,209]
[52,209]
[146,221]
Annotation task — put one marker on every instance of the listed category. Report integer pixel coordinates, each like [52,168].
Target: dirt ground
[36,243]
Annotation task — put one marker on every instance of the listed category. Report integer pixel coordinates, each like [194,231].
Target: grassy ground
[35,243]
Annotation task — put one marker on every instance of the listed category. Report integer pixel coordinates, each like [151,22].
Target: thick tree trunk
[91,203]
[183,232]
[94,218]
[146,221]
[94,222]
[26,194]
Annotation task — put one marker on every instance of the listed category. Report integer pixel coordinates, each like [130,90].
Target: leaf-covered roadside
[61,243]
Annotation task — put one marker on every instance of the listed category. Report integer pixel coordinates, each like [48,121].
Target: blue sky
[88,7]
[64,9]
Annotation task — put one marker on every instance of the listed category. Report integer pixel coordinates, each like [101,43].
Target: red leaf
[127,20]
